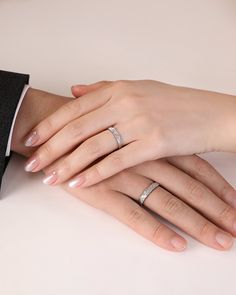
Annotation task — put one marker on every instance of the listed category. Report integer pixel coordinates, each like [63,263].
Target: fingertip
[178,243]
[32,139]
[224,240]
[79,90]
[75,90]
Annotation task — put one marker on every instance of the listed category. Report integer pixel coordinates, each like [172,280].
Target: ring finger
[176,211]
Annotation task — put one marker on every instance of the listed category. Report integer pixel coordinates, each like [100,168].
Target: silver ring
[117,136]
[147,192]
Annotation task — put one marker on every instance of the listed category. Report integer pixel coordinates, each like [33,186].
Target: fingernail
[178,243]
[32,139]
[31,165]
[76,182]
[50,179]
[224,240]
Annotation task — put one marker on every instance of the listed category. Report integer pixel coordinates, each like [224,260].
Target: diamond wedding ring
[117,136]
[145,194]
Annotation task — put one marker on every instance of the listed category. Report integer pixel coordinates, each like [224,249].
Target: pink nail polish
[77,182]
[50,179]
[32,139]
[33,164]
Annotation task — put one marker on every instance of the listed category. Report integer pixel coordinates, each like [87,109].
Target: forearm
[227,125]
[36,106]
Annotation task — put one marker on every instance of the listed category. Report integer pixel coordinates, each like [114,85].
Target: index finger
[65,114]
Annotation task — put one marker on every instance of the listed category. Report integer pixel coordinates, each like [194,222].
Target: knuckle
[116,160]
[91,147]
[195,190]
[75,130]
[205,230]
[226,213]
[46,150]
[202,167]
[65,167]
[71,107]
[136,216]
[158,232]
[96,173]
[226,191]
[47,124]
[173,206]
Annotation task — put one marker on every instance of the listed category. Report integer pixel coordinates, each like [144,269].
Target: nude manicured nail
[224,240]
[178,243]
[31,165]
[32,139]
[50,179]
[76,182]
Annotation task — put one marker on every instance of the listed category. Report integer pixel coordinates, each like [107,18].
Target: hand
[155,120]
[197,204]
[193,196]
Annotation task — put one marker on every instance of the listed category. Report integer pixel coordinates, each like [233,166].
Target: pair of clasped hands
[163,127]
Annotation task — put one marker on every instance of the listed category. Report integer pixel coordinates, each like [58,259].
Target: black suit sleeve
[11,87]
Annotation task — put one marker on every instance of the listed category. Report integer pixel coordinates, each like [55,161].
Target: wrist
[36,106]
[223,132]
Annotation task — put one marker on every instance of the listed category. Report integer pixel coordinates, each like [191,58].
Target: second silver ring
[147,191]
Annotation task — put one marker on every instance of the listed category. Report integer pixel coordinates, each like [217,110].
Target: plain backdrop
[52,243]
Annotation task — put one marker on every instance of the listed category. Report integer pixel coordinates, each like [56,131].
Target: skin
[156,120]
[192,195]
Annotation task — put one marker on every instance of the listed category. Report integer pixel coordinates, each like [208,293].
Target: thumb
[79,90]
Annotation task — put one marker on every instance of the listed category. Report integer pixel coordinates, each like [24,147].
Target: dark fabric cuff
[11,87]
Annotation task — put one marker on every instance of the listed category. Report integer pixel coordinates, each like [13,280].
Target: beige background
[51,243]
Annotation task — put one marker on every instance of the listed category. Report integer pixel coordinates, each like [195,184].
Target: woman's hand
[155,120]
[200,204]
